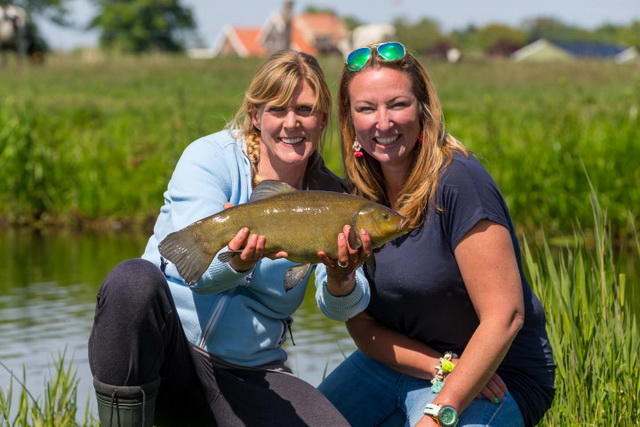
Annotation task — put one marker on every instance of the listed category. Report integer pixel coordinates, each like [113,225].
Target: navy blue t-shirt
[417,288]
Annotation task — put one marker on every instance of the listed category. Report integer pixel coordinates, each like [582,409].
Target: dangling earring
[421,137]
[357,148]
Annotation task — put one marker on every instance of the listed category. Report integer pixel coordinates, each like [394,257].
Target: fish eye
[386,216]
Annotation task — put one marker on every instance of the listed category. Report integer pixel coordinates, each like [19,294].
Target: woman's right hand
[252,247]
[249,248]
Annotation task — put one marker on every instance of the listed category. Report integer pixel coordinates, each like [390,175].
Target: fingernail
[506,393]
[496,400]
[504,399]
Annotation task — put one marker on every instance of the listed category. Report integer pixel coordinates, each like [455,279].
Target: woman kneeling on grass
[165,353]
[451,294]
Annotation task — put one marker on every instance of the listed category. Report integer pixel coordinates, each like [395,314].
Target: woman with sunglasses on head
[453,333]
[167,353]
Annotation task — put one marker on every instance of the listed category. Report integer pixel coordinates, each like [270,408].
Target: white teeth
[291,140]
[385,141]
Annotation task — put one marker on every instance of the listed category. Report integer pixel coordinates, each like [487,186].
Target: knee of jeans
[134,281]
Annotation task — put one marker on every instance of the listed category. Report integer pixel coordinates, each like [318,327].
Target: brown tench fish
[301,223]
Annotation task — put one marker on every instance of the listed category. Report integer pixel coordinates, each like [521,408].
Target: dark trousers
[137,338]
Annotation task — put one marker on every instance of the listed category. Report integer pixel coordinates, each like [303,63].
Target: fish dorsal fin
[269,188]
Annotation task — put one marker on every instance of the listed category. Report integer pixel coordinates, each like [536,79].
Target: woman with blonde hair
[211,353]
[452,333]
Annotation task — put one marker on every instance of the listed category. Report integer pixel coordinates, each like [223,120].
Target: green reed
[55,407]
[592,328]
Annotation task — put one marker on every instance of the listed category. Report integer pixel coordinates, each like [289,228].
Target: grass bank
[86,142]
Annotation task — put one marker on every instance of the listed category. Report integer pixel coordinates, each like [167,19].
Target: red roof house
[313,33]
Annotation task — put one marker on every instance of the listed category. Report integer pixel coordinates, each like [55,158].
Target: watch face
[448,416]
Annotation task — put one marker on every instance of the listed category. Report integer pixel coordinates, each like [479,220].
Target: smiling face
[385,114]
[289,134]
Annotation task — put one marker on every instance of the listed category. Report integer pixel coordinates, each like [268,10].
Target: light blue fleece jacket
[240,317]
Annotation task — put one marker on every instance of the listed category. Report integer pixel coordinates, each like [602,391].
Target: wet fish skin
[301,223]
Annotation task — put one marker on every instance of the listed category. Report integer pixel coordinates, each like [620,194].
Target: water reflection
[47,295]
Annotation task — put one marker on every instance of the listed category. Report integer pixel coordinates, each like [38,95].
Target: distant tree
[619,34]
[495,39]
[316,9]
[418,36]
[466,39]
[630,35]
[554,29]
[351,22]
[137,26]
[499,39]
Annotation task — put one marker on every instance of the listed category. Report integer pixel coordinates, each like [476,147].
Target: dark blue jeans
[137,338]
[370,393]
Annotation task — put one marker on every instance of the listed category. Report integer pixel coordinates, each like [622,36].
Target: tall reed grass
[56,407]
[592,328]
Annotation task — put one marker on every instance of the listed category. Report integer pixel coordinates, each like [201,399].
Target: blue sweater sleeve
[341,308]
[210,173]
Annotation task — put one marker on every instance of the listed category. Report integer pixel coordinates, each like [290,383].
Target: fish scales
[301,223]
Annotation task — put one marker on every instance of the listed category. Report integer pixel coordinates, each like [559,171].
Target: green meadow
[90,144]
[85,142]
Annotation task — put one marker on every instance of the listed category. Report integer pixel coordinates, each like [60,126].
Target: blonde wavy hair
[429,156]
[275,81]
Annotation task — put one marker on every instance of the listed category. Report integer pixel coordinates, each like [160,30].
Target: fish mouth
[386,141]
[292,141]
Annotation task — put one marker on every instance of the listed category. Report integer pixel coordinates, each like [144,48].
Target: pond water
[47,295]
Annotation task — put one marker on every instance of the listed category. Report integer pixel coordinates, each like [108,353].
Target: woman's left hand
[341,272]
[494,389]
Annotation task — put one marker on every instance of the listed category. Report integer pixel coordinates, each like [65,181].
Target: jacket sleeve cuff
[342,308]
[219,277]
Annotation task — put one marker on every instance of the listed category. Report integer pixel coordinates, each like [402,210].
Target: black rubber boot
[126,406]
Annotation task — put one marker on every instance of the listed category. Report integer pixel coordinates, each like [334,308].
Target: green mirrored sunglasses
[389,51]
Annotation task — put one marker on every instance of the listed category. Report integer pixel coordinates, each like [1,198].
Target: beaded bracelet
[445,367]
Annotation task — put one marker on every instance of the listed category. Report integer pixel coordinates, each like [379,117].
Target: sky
[212,15]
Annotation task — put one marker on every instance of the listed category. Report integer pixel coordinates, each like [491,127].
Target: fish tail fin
[183,250]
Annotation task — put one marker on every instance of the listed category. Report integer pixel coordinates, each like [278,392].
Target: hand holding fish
[341,272]
[250,248]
